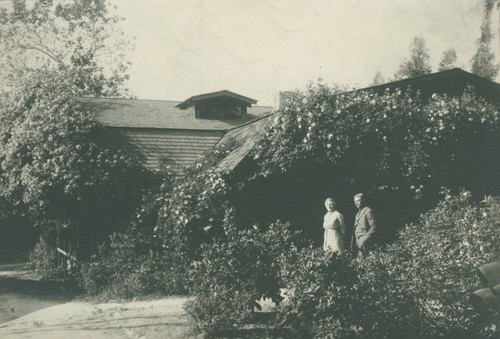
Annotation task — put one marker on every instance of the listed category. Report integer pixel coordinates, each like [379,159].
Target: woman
[334,226]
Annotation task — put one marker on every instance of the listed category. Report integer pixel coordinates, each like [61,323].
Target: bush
[131,266]
[323,296]
[233,274]
[418,287]
[193,202]
[43,260]
[421,283]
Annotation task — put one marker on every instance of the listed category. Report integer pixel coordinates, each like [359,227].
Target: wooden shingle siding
[157,148]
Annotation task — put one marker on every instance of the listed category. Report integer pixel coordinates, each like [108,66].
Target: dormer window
[222,105]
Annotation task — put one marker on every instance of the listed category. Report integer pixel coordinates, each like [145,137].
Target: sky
[260,47]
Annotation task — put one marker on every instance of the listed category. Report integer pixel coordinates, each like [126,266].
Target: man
[364,226]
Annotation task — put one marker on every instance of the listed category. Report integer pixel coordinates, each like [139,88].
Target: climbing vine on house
[55,172]
[391,142]
[190,209]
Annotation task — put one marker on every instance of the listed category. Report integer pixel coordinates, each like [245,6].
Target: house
[297,194]
[451,82]
[172,134]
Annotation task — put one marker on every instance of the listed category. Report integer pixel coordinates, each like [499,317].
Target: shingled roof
[157,114]
[451,82]
[247,137]
[224,94]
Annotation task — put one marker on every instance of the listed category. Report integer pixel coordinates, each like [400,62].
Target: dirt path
[22,292]
[162,318]
[30,308]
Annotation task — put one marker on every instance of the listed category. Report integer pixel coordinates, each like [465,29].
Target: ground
[31,308]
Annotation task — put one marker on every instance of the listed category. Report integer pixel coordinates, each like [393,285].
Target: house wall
[158,148]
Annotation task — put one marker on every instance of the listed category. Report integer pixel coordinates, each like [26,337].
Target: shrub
[419,286]
[195,201]
[234,273]
[43,260]
[421,283]
[132,266]
[322,295]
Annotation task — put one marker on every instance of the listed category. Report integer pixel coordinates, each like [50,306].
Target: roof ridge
[430,76]
[158,100]
[250,122]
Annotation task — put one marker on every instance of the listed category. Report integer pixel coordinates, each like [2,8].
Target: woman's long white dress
[334,226]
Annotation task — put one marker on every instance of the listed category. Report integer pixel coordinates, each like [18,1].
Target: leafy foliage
[133,265]
[417,286]
[55,172]
[385,142]
[82,36]
[378,79]
[323,297]
[483,61]
[423,280]
[418,64]
[191,209]
[42,260]
[232,275]
[448,60]
[53,168]
[154,254]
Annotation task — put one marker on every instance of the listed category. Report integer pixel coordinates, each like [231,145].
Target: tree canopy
[55,169]
[483,61]
[378,79]
[418,63]
[83,34]
[448,60]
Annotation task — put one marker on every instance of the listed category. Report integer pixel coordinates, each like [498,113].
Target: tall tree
[54,167]
[448,60]
[82,34]
[418,63]
[483,61]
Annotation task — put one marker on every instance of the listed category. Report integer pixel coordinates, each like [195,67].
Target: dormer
[222,105]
